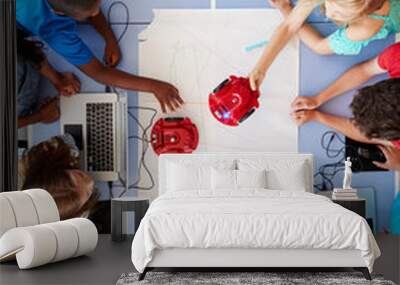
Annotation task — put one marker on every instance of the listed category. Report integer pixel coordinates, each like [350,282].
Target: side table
[138,205]
[357,206]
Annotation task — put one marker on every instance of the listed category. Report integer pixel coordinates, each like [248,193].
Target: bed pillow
[251,179]
[290,175]
[190,175]
[223,179]
[227,179]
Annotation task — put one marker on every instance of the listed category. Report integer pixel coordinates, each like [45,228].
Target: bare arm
[117,78]
[309,36]
[28,120]
[358,31]
[49,72]
[278,41]
[112,54]
[314,40]
[351,79]
[49,112]
[99,22]
[341,124]
[166,94]
[320,44]
[66,83]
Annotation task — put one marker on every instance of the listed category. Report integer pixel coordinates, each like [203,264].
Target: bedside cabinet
[357,206]
[138,205]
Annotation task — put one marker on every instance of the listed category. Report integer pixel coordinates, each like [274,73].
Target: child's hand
[168,96]
[282,5]
[305,103]
[112,53]
[302,117]
[68,84]
[49,111]
[392,155]
[256,78]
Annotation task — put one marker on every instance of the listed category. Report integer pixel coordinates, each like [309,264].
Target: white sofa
[31,231]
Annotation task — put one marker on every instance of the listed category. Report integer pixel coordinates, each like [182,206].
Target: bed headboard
[166,159]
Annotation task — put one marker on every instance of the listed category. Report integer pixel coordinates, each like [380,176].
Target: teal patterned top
[341,44]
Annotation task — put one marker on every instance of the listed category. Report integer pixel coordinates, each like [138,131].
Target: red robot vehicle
[233,101]
[174,135]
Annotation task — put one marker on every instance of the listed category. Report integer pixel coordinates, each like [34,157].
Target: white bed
[247,210]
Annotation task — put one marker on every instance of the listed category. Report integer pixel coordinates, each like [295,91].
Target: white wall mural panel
[196,50]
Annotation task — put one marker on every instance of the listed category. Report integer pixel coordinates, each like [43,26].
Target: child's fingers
[253,84]
[77,88]
[108,59]
[300,106]
[180,100]
[163,108]
[77,84]
[116,59]
[174,103]
[297,104]
[295,115]
[380,164]
[112,60]
[294,103]
[176,90]
[297,119]
[385,150]
[177,103]
[176,96]
[171,105]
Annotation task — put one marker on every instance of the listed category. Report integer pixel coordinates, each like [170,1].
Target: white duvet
[250,219]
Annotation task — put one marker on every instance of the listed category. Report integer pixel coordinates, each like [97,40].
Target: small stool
[139,205]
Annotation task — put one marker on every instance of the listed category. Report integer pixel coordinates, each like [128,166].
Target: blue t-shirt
[60,32]
[28,80]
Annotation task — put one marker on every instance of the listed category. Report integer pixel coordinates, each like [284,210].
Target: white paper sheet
[196,50]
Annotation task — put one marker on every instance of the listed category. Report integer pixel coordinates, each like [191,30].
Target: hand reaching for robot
[256,78]
[168,96]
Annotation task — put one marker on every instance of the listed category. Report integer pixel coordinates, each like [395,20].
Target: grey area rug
[236,278]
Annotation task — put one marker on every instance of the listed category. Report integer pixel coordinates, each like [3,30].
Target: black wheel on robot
[247,115]
[221,85]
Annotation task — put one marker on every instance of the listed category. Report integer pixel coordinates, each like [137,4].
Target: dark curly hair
[376,110]
[46,166]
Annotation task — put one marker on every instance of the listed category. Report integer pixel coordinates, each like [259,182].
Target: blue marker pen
[260,44]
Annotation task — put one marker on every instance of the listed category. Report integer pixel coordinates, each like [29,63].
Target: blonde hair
[361,7]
